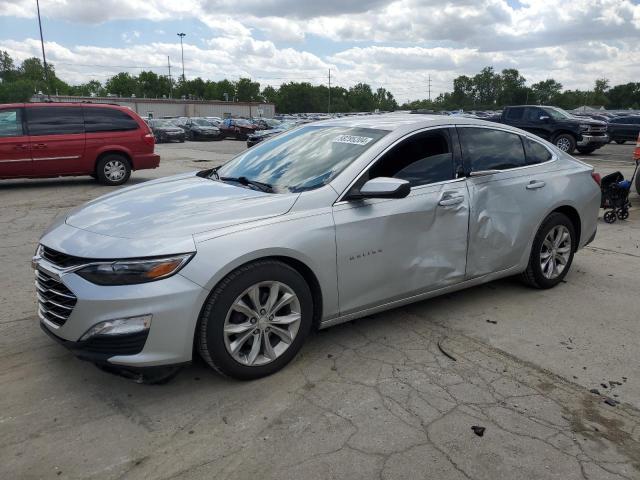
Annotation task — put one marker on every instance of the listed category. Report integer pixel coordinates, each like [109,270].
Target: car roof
[402,121]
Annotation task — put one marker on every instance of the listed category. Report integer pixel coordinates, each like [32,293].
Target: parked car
[201,129]
[261,135]
[622,129]
[320,225]
[238,128]
[565,131]
[40,140]
[166,131]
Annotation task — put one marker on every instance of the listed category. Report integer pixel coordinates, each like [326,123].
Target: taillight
[596,177]
[149,139]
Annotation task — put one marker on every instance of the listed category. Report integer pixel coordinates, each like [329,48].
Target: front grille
[55,300]
[129,344]
[60,259]
[597,129]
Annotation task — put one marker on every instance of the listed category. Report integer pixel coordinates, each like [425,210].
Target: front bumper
[593,140]
[174,304]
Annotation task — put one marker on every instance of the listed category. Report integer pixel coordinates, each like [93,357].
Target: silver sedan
[320,225]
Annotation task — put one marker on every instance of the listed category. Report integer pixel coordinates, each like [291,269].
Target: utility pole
[170,79]
[44,58]
[429,83]
[329,109]
[182,35]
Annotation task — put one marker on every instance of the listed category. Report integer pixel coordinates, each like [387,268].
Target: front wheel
[565,142]
[113,169]
[255,320]
[586,150]
[551,253]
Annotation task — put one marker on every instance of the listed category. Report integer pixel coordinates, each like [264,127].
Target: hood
[177,206]
[591,121]
[169,129]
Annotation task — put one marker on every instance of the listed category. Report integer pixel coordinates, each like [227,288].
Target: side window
[534,114]
[515,113]
[421,159]
[54,120]
[11,122]
[535,152]
[107,120]
[488,149]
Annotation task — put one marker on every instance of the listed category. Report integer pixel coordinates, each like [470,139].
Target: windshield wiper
[265,187]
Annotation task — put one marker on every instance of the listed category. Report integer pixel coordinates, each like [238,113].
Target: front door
[389,249]
[57,140]
[15,154]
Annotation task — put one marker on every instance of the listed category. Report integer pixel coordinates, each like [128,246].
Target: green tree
[247,91]
[122,84]
[547,91]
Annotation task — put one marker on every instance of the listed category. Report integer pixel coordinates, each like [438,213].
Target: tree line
[487,90]
[490,90]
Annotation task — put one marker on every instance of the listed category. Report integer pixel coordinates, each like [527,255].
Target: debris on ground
[478,430]
[595,391]
[444,352]
[611,401]
[494,322]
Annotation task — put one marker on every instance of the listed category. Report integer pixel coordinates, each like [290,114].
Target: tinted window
[54,120]
[107,120]
[423,158]
[486,149]
[534,114]
[536,152]
[11,122]
[515,113]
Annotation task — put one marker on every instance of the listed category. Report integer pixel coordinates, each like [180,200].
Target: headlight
[129,272]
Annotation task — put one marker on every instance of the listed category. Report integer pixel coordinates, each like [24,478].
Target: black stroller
[615,195]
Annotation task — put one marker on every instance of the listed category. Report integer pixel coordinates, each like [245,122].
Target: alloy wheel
[555,252]
[563,144]
[115,170]
[262,323]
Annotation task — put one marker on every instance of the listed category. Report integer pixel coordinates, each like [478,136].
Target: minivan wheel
[551,253]
[621,142]
[255,320]
[565,142]
[113,169]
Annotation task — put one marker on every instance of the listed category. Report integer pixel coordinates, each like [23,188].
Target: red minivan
[59,139]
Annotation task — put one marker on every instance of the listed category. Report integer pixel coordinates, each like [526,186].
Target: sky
[395,44]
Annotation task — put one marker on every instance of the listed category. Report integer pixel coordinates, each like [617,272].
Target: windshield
[202,122]
[304,158]
[558,113]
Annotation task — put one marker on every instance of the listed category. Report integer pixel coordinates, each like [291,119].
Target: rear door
[57,139]
[15,154]
[508,204]
[110,127]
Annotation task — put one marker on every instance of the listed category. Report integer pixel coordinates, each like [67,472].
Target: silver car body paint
[365,256]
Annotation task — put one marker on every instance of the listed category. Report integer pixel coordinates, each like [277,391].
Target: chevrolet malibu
[320,225]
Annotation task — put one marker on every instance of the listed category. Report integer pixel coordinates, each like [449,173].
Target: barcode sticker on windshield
[352,139]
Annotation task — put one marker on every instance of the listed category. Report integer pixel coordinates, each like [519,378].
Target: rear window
[535,152]
[54,120]
[107,120]
[488,149]
[11,122]
[514,113]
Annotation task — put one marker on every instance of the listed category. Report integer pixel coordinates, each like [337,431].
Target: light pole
[44,58]
[182,35]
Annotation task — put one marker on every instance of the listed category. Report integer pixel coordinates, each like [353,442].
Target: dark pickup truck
[565,131]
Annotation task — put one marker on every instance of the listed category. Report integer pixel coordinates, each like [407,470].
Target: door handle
[24,146]
[449,201]
[39,146]
[534,185]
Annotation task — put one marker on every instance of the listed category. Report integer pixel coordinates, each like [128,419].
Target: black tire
[108,160]
[565,142]
[586,150]
[182,140]
[620,142]
[533,275]
[610,216]
[210,335]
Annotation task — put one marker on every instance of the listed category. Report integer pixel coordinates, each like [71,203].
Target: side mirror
[544,118]
[383,187]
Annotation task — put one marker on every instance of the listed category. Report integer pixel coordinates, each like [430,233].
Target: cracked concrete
[375,398]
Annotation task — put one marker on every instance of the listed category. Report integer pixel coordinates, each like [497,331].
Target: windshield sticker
[352,139]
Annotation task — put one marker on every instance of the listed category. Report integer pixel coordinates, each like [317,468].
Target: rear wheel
[256,320]
[113,169]
[565,142]
[620,142]
[551,253]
